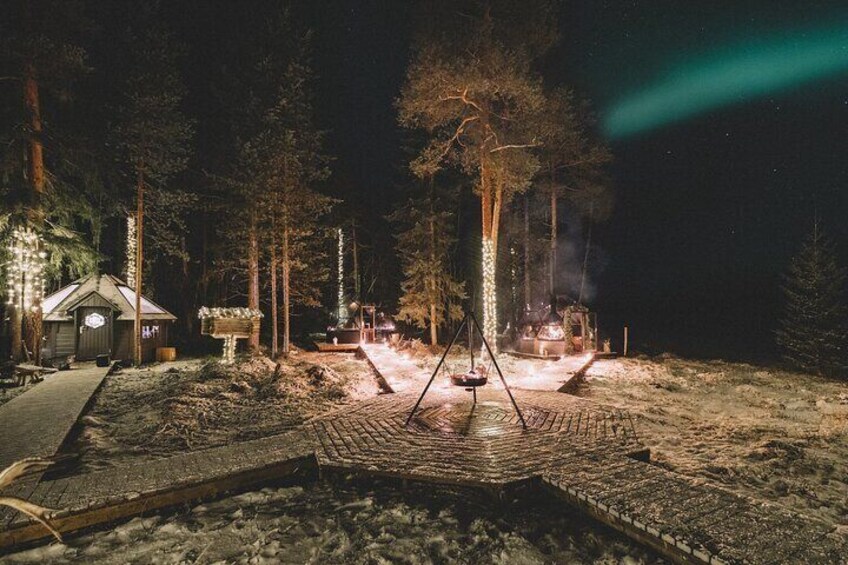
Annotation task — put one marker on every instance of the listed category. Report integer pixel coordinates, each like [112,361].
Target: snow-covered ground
[764,433]
[170,408]
[525,373]
[351,523]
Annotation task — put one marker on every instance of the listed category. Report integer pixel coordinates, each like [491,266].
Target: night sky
[709,206]
[708,209]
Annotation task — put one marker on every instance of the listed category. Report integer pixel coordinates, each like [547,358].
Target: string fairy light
[490,304]
[25,276]
[132,247]
[234,312]
[341,301]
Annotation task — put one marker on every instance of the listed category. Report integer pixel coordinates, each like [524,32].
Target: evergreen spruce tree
[431,295]
[812,333]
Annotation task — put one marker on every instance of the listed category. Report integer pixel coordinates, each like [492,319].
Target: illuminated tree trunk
[526,251]
[274,320]
[35,173]
[553,258]
[489,201]
[356,287]
[286,290]
[434,323]
[340,298]
[253,276]
[139,263]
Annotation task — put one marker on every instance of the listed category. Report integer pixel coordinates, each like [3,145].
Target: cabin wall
[123,345]
[156,336]
[61,339]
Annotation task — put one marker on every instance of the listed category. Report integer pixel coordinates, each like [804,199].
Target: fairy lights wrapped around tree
[25,276]
[342,308]
[490,299]
[131,251]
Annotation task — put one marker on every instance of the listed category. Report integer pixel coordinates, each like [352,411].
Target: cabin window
[149,332]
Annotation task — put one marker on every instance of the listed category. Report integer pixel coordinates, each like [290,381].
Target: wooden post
[624,353]
[139,263]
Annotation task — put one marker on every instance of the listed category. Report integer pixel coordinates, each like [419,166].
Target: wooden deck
[324,347]
[587,454]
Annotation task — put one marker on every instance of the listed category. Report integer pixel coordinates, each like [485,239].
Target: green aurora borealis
[731,75]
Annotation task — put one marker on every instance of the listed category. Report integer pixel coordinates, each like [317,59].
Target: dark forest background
[706,216]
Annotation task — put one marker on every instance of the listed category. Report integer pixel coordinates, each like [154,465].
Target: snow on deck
[586,453]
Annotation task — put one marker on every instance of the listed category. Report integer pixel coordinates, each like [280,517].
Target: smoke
[572,239]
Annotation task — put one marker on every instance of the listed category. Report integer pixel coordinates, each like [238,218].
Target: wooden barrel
[166,354]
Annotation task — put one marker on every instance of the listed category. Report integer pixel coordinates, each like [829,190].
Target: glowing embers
[25,275]
[95,320]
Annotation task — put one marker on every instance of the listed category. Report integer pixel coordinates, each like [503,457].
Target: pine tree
[812,333]
[154,135]
[572,165]
[273,210]
[431,295]
[470,86]
[41,58]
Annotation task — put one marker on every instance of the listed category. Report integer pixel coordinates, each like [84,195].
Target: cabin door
[95,332]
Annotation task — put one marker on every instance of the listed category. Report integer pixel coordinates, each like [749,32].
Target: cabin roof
[60,305]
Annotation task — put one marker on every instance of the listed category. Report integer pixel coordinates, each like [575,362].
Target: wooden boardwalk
[590,455]
[37,422]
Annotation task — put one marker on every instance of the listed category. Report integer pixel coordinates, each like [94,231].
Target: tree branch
[464,98]
[513,146]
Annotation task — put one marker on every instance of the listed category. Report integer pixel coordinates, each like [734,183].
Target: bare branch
[513,146]
[459,131]
[464,98]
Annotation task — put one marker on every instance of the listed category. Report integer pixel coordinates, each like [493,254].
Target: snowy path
[37,422]
[398,370]
[402,373]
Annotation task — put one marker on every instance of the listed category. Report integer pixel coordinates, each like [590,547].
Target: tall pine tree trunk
[32,320]
[356,288]
[139,264]
[274,320]
[554,219]
[526,251]
[489,207]
[253,276]
[434,322]
[286,290]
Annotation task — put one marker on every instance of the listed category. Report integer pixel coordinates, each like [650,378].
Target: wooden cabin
[95,315]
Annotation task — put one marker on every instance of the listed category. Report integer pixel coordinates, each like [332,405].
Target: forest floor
[170,408]
[767,434]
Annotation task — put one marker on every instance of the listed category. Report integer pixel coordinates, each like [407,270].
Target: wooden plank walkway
[37,422]
[588,454]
